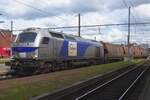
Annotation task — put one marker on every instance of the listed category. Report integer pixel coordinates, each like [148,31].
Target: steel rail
[107,83]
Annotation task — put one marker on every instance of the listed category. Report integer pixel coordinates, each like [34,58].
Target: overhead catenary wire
[96,25]
[135,12]
[126,5]
[37,9]
[73,27]
[130,4]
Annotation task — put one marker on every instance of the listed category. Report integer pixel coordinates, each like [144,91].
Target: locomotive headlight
[35,54]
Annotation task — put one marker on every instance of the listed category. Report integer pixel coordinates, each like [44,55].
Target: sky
[60,13]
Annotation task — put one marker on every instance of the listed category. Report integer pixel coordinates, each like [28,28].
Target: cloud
[33,9]
[143,11]
[122,4]
[53,13]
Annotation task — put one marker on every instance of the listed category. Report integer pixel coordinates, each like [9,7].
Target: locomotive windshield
[26,37]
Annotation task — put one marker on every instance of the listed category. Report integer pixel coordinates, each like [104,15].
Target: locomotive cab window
[45,40]
[26,37]
[70,38]
[56,35]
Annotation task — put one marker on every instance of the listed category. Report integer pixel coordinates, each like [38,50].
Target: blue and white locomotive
[39,50]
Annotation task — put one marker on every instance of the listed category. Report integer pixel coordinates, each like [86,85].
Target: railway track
[109,87]
[118,87]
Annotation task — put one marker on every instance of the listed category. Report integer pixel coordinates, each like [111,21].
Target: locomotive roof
[77,38]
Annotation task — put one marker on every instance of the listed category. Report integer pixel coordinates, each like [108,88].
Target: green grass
[57,80]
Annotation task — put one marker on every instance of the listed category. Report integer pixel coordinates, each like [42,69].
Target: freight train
[119,52]
[39,51]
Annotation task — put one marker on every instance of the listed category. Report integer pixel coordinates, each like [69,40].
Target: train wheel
[49,68]
[53,68]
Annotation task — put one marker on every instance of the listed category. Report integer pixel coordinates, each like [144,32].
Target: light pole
[129,46]
[79,26]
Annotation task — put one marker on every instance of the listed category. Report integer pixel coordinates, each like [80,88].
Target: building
[6,39]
